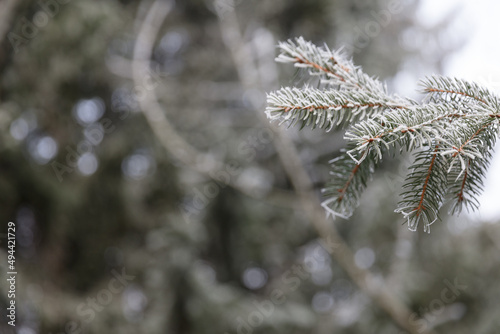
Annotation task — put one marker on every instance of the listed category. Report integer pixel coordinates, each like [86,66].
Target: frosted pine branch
[410,128]
[424,189]
[443,89]
[332,66]
[347,183]
[452,132]
[326,108]
[469,163]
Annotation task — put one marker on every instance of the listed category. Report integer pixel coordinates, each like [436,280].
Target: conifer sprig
[410,128]
[452,132]
[333,67]
[424,189]
[444,89]
[347,183]
[326,108]
[472,149]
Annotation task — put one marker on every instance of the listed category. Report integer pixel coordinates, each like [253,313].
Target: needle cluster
[451,133]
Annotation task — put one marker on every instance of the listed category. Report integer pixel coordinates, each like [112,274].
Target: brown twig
[445,91]
[350,106]
[319,67]
[460,194]
[470,139]
[420,206]
[346,186]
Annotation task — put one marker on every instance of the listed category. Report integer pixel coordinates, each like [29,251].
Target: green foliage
[452,132]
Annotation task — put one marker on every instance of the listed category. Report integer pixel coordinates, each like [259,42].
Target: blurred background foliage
[93,191]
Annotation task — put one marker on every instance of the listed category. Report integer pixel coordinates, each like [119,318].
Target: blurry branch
[7,8]
[167,135]
[403,248]
[287,152]
[7,13]
[120,66]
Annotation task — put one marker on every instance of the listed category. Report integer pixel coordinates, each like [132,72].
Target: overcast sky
[478,61]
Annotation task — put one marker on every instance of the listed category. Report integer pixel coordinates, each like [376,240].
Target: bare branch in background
[161,126]
[7,8]
[248,71]
[291,162]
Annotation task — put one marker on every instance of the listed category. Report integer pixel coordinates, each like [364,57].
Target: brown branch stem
[344,106]
[319,67]
[420,206]
[445,91]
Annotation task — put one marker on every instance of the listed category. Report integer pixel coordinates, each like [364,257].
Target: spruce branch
[320,61]
[472,149]
[453,131]
[325,108]
[347,183]
[333,67]
[410,128]
[467,139]
[425,188]
[444,89]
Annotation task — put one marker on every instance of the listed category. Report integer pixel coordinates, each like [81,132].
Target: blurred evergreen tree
[201,253]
